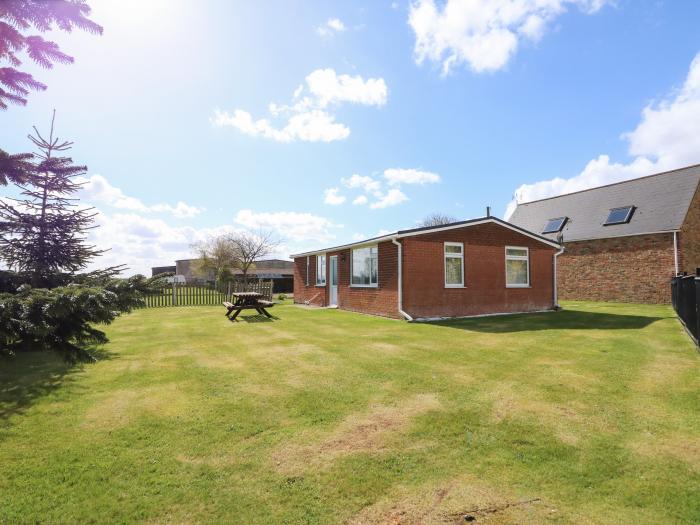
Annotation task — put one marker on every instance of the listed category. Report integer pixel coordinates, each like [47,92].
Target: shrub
[282,297]
[64,319]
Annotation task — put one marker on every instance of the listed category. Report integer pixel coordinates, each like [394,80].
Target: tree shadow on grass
[560,320]
[28,376]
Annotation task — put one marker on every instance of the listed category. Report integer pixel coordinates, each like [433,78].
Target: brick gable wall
[689,237]
[634,269]
[485,292]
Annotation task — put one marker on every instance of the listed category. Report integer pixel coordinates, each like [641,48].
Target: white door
[333,299]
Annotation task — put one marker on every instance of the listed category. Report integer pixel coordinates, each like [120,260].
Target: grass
[323,416]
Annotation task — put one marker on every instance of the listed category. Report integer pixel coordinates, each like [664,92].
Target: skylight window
[621,215]
[555,225]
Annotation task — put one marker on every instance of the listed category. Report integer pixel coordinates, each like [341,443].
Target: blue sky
[434,106]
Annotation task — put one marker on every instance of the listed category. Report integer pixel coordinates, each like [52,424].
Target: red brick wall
[424,292]
[689,237]
[380,300]
[315,295]
[635,269]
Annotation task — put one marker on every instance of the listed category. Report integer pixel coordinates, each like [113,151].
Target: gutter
[400,283]
[556,295]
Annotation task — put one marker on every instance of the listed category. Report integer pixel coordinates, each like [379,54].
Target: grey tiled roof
[661,202]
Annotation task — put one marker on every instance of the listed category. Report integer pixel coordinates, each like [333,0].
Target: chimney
[488,211]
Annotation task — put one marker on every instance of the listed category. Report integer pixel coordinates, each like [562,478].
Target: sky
[329,122]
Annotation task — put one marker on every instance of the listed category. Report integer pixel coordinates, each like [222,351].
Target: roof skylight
[621,215]
[555,225]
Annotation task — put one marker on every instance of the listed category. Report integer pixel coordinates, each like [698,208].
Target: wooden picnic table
[247,301]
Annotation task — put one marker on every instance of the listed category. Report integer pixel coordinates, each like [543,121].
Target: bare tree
[251,247]
[437,219]
[217,256]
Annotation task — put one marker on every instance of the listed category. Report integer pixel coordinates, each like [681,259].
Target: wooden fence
[192,295]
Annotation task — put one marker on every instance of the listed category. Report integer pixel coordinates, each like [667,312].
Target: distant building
[279,271]
[157,270]
[625,241]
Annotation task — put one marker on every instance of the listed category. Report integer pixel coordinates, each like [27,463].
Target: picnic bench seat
[247,301]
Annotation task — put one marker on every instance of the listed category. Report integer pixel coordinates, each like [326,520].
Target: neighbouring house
[476,267]
[279,271]
[625,241]
[157,270]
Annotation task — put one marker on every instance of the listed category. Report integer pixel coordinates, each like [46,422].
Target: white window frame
[525,258]
[352,259]
[307,270]
[447,255]
[318,265]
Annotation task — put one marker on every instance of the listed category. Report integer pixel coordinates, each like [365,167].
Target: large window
[517,267]
[364,267]
[320,270]
[454,265]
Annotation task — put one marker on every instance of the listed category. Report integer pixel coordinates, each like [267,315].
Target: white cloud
[367,184]
[667,137]
[310,126]
[358,236]
[392,197]
[291,225]
[331,88]
[482,33]
[359,200]
[396,176]
[332,26]
[332,197]
[307,117]
[97,189]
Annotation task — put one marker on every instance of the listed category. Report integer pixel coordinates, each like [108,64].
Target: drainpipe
[675,252]
[400,283]
[556,295]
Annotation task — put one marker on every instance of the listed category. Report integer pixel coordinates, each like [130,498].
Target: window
[621,215]
[320,270]
[364,267]
[555,225]
[454,265]
[517,267]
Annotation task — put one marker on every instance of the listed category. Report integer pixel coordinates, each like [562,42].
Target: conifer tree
[43,232]
[19,17]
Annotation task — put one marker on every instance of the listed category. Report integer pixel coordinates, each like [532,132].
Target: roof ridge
[611,184]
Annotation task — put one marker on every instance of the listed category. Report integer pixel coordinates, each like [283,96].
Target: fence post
[174,294]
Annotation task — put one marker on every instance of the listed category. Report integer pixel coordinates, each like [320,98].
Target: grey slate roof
[661,202]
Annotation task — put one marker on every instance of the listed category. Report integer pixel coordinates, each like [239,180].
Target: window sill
[455,286]
[320,285]
[364,286]
[518,286]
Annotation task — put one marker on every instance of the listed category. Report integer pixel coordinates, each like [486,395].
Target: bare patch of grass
[121,407]
[450,503]
[362,432]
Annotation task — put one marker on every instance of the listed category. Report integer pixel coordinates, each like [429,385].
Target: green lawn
[588,415]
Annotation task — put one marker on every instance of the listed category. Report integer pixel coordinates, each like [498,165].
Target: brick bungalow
[475,267]
[625,241]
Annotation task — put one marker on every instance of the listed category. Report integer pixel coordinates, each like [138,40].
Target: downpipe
[556,294]
[400,283]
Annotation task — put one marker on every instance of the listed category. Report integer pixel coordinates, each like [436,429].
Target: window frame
[563,220]
[352,263]
[308,266]
[325,277]
[445,256]
[525,258]
[630,211]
